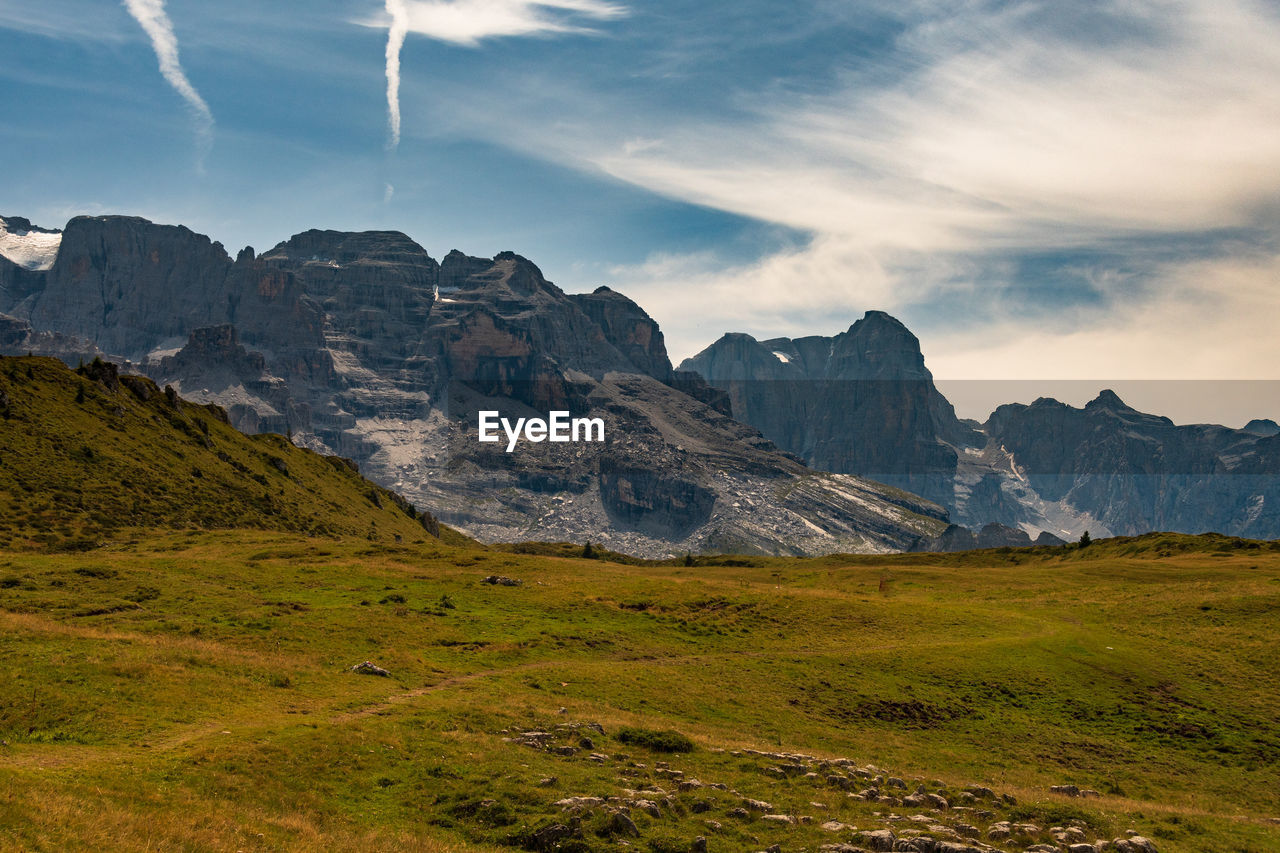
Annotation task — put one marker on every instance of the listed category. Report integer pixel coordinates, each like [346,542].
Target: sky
[1041,191]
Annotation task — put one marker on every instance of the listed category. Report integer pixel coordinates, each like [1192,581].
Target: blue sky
[1040,190]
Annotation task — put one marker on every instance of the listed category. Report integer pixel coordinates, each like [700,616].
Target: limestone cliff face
[861,402]
[128,285]
[17,282]
[504,322]
[1136,472]
[361,344]
[375,285]
[214,363]
[625,325]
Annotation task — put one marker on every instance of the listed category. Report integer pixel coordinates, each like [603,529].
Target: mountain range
[863,402]
[364,346]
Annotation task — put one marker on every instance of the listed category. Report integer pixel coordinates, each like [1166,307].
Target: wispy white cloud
[90,24]
[151,15]
[470,22]
[995,134]
[396,33]
[1004,138]
[1216,321]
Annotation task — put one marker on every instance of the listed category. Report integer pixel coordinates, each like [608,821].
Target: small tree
[588,553]
[688,558]
[1085,539]
[80,394]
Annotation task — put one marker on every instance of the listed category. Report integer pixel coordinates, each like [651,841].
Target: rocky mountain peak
[881,318]
[1263,427]
[878,346]
[1107,399]
[126,284]
[632,331]
[861,402]
[345,247]
[739,357]
[21,226]
[1108,403]
[457,268]
[504,271]
[360,343]
[520,274]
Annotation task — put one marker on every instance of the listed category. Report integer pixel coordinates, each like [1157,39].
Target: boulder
[620,823]
[875,840]
[369,668]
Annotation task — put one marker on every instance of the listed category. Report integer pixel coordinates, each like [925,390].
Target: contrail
[395,40]
[155,22]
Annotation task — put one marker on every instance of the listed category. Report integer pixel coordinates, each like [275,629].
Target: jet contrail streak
[395,40]
[150,14]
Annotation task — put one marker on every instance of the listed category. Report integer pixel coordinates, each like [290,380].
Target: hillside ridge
[90,452]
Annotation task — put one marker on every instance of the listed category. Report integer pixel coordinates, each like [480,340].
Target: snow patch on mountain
[28,246]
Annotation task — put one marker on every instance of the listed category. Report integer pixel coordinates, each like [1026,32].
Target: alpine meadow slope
[219,641]
[194,690]
[90,453]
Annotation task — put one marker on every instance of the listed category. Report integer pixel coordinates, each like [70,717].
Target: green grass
[82,460]
[189,690]
[667,740]
[181,606]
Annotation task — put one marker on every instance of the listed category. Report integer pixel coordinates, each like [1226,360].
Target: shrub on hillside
[658,741]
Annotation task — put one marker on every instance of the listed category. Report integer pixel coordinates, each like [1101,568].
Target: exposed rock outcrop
[633,332]
[363,346]
[1263,427]
[661,503]
[1136,472]
[861,402]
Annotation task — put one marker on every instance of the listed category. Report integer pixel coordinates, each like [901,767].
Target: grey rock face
[1135,472]
[363,346]
[126,284]
[658,502]
[625,325]
[996,535]
[214,362]
[17,282]
[879,839]
[861,402]
[1263,427]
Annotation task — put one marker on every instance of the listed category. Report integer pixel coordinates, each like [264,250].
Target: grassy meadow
[190,690]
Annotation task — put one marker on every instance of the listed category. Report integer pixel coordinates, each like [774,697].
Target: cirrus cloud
[154,20]
[469,22]
[995,132]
